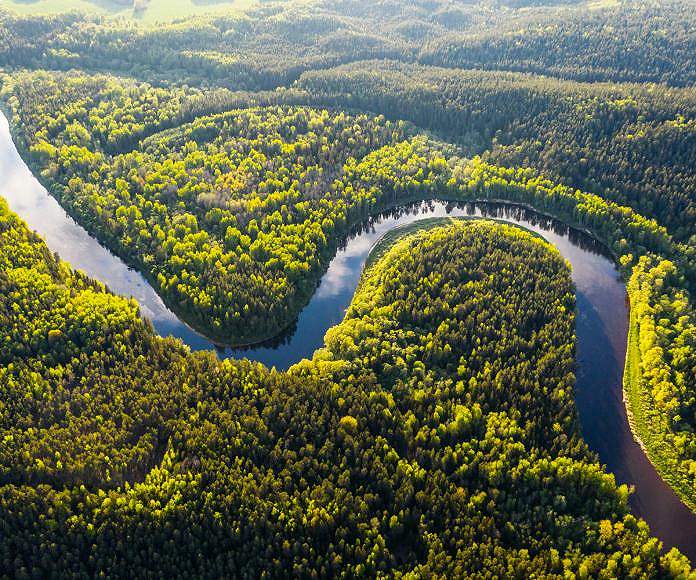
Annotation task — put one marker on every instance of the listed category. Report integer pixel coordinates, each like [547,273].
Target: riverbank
[252,337]
[652,442]
[386,242]
[633,389]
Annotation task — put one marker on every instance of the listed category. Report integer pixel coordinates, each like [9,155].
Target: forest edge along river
[601,319]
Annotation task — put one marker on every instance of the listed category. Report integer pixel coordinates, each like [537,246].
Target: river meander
[601,321]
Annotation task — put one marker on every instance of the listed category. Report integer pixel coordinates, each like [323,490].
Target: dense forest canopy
[430,441]
[270,45]
[227,157]
[233,215]
[630,143]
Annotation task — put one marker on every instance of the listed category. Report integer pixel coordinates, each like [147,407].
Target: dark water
[601,323]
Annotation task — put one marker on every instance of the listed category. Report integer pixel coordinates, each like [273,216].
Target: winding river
[601,322]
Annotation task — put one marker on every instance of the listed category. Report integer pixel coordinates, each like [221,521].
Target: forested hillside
[421,439]
[234,216]
[633,144]
[272,44]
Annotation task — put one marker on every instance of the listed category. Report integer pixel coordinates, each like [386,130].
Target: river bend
[601,320]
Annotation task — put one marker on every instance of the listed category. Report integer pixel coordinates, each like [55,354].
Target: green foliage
[272,44]
[435,433]
[249,202]
[661,369]
[624,43]
[80,403]
[661,277]
[233,216]
[632,144]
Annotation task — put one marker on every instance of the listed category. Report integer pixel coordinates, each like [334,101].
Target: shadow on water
[601,322]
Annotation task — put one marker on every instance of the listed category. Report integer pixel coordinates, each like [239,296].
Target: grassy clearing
[154,10]
[600,4]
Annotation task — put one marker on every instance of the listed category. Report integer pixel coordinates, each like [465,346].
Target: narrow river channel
[601,322]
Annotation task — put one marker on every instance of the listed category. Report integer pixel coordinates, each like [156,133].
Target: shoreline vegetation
[634,393]
[645,424]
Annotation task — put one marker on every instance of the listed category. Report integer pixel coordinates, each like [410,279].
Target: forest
[274,42]
[228,158]
[433,441]
[626,142]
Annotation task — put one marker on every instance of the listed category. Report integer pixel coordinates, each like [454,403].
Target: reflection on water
[335,292]
[601,322]
[28,198]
